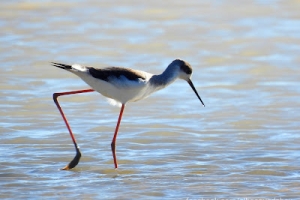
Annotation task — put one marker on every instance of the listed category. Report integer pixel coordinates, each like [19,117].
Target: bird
[122,85]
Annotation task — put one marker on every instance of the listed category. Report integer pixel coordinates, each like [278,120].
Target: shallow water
[243,144]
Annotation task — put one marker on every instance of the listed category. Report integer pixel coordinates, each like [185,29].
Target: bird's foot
[74,162]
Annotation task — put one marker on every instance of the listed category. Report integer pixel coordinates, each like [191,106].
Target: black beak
[192,86]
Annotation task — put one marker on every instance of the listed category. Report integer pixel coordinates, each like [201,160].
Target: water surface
[243,144]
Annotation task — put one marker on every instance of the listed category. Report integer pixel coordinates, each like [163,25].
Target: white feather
[79,68]
[114,102]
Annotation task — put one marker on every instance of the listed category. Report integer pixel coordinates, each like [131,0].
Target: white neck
[166,78]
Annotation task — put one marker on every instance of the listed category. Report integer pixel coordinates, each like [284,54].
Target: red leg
[75,160]
[113,143]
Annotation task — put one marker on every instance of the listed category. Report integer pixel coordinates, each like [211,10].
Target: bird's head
[185,73]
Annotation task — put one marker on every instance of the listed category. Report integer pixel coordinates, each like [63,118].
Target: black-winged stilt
[122,85]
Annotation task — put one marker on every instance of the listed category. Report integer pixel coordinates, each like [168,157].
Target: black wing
[105,73]
[62,66]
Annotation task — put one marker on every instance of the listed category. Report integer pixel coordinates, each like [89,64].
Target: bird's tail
[62,66]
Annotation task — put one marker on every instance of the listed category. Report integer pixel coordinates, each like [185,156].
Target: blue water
[243,144]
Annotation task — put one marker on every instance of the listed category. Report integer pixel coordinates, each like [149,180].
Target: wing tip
[60,65]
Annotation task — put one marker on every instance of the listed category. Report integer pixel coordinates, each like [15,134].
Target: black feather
[105,73]
[62,66]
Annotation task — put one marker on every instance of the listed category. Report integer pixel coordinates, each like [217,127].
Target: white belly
[120,90]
